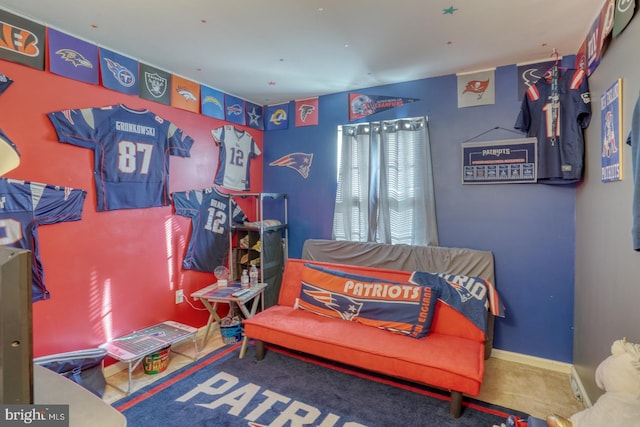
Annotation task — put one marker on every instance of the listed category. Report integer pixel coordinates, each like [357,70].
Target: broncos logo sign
[346,307]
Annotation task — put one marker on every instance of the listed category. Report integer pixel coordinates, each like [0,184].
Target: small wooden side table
[213,295]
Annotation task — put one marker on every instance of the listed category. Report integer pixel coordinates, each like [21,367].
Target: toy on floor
[619,376]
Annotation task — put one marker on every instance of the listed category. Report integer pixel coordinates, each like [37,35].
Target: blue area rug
[291,389]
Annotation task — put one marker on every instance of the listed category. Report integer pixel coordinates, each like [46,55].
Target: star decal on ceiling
[449,11]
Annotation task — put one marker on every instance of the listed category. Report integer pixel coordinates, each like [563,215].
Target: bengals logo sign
[18,40]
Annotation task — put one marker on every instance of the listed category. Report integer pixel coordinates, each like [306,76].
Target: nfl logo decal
[156,85]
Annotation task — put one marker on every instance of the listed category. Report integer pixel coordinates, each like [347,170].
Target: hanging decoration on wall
[212,101]
[606,24]
[307,112]
[623,14]
[73,58]
[529,74]
[119,72]
[611,132]
[234,109]
[500,162]
[477,88]
[277,116]
[23,41]
[254,115]
[361,105]
[237,149]
[155,84]
[185,94]
[299,162]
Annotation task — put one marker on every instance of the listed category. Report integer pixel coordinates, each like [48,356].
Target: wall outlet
[179,296]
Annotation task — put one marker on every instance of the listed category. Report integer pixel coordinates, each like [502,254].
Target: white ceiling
[280,50]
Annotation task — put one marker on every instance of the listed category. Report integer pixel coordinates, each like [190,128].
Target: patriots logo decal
[304,110]
[122,74]
[300,162]
[477,87]
[346,307]
[76,58]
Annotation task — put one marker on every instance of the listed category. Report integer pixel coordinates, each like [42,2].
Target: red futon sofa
[450,357]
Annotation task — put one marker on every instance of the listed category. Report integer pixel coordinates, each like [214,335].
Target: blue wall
[530,228]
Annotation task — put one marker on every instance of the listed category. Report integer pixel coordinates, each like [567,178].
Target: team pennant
[185,94]
[234,109]
[623,14]
[73,58]
[529,74]
[212,102]
[277,116]
[119,72]
[593,49]
[307,112]
[254,115]
[361,105]
[476,88]
[155,84]
[21,40]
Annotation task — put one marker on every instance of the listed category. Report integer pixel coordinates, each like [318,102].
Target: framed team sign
[500,162]
[611,132]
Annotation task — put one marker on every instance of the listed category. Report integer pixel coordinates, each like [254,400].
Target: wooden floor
[533,390]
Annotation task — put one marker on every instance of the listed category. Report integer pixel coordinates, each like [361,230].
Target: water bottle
[244,279]
[253,275]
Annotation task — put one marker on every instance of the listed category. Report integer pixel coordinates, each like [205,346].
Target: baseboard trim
[539,362]
[584,397]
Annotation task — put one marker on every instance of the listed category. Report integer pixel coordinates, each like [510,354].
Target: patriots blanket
[403,308]
[471,296]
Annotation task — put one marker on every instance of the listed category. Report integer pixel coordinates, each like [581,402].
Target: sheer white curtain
[385,183]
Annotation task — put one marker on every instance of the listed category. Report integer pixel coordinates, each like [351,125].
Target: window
[385,184]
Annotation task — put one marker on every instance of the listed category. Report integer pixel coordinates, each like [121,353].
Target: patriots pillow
[404,308]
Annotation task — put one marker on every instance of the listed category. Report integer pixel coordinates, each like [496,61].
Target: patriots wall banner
[131,151]
[234,109]
[22,40]
[73,58]
[155,84]
[237,148]
[299,162]
[254,115]
[277,116]
[361,105]
[119,72]
[209,210]
[403,308]
[5,82]
[9,154]
[471,296]
[24,206]
[476,88]
[529,74]
[212,102]
[185,94]
[307,112]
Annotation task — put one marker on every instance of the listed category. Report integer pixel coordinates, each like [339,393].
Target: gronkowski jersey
[209,211]
[131,152]
[560,152]
[237,148]
[26,205]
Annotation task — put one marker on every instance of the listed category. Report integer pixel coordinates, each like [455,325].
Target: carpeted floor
[293,389]
[526,388]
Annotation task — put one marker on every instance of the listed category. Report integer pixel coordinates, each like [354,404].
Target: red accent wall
[117,271]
